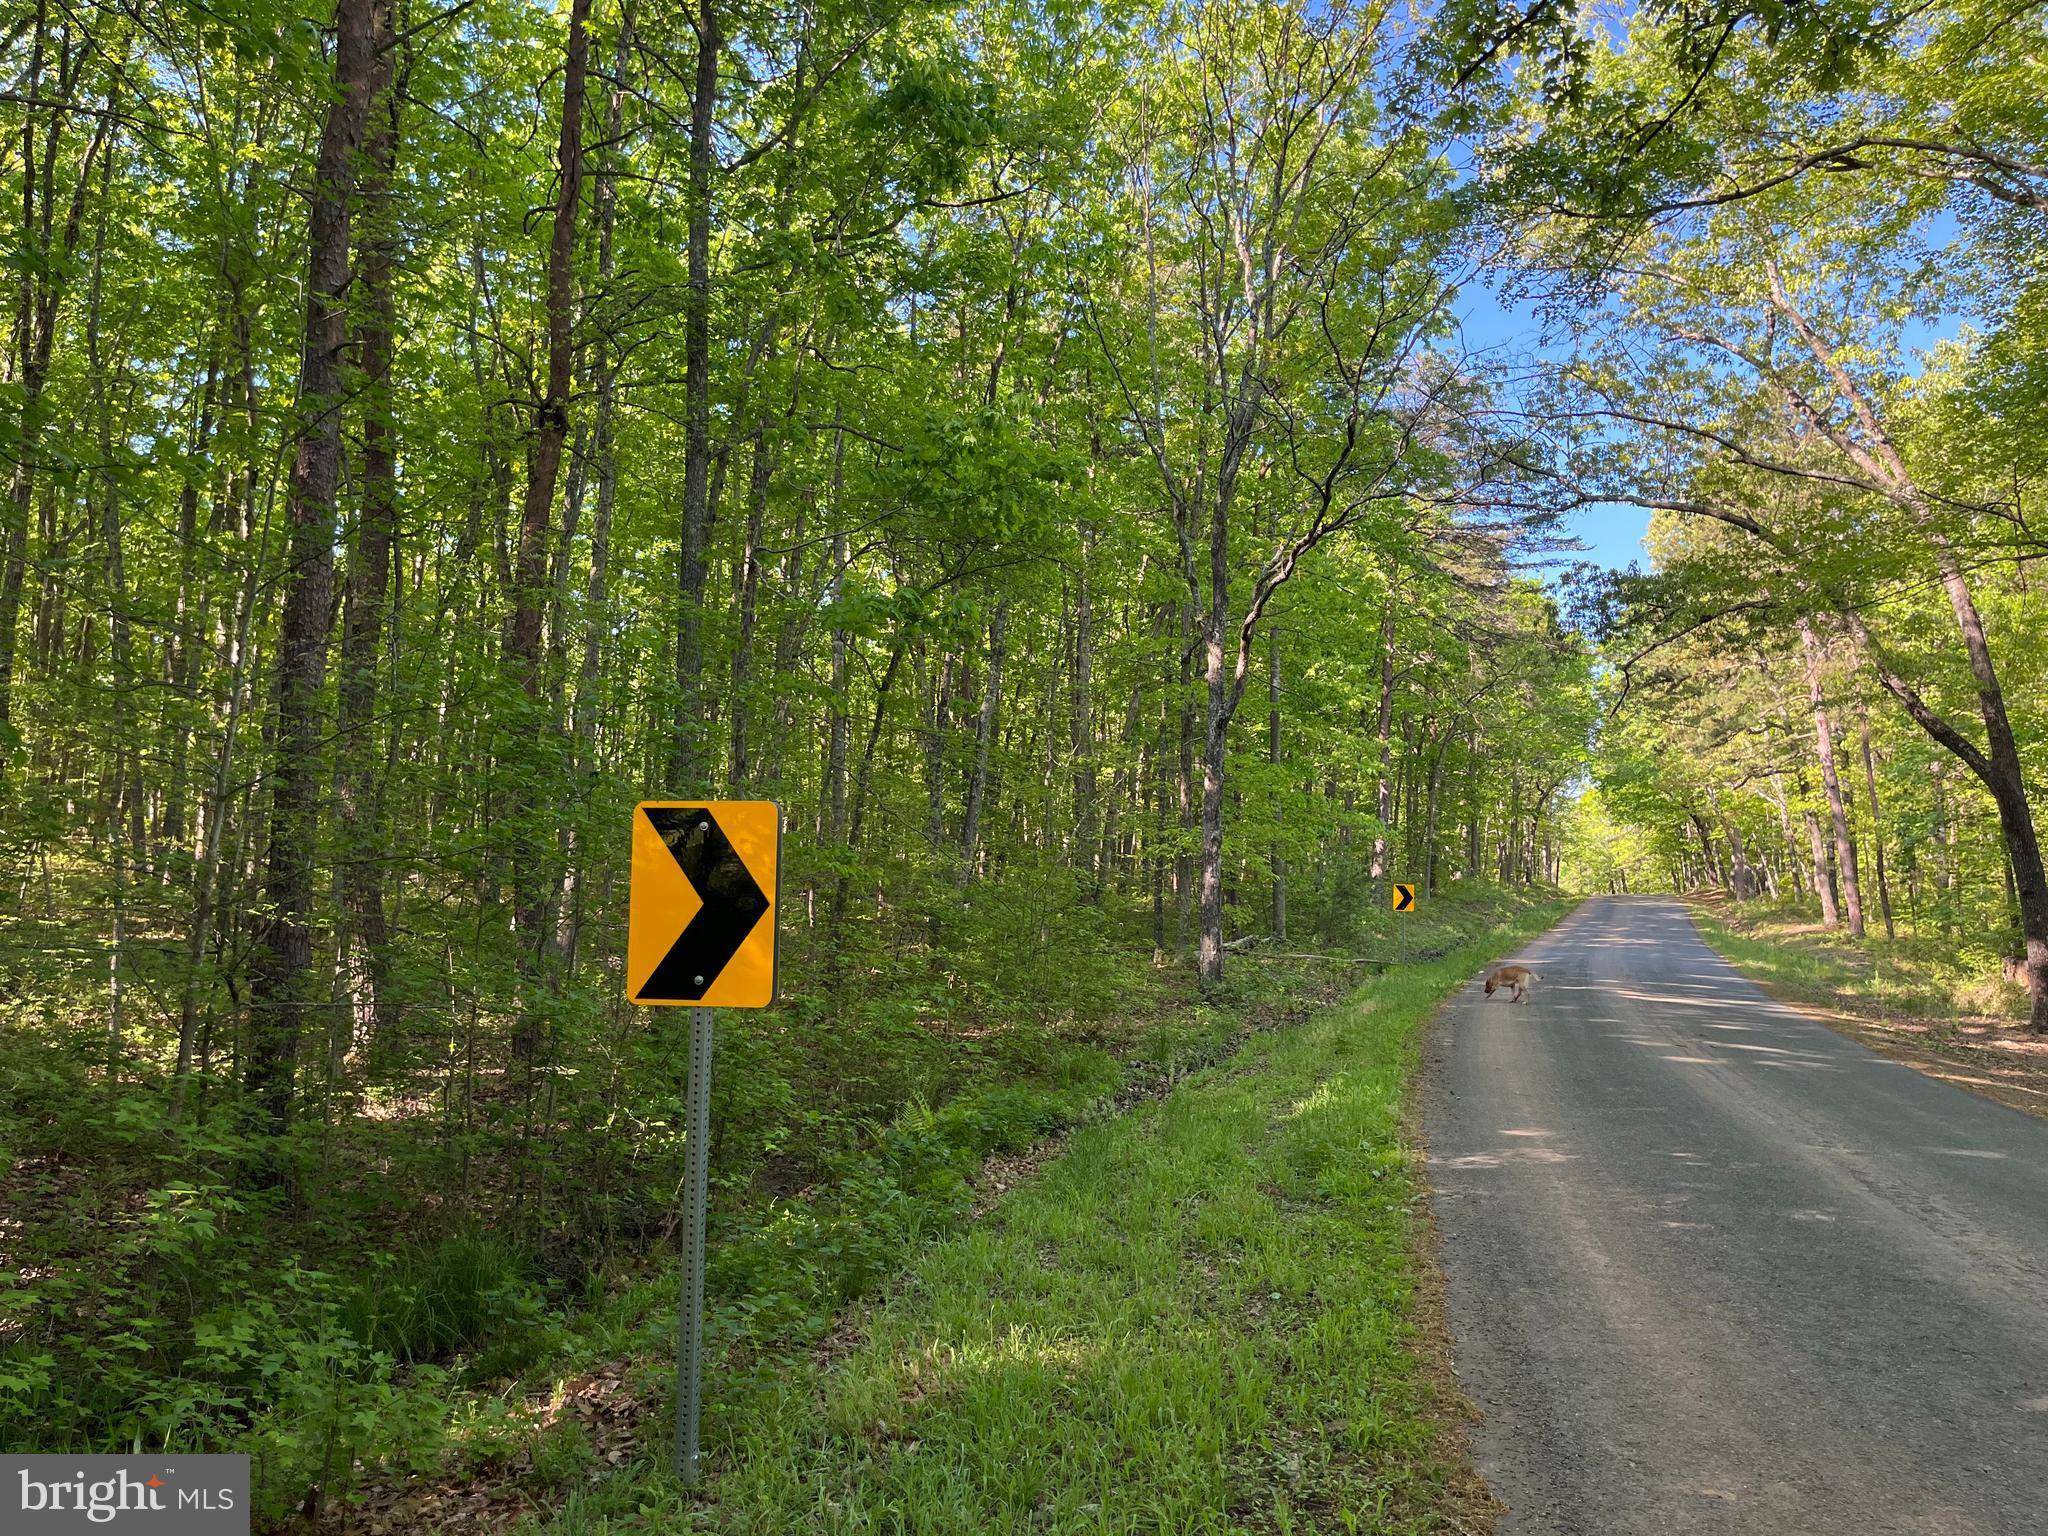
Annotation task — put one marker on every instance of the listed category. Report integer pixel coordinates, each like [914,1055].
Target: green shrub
[426,1302]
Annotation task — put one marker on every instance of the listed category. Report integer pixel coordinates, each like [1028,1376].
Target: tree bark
[839,725]
[1780,800]
[1823,872]
[1430,813]
[1742,874]
[533,851]
[1383,724]
[1273,758]
[1215,742]
[1087,814]
[531,880]
[35,326]
[740,769]
[1824,750]
[689,768]
[938,723]
[124,819]
[1884,890]
[365,951]
[984,735]
[597,586]
[1474,810]
[283,963]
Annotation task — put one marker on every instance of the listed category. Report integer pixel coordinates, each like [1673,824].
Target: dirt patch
[605,1413]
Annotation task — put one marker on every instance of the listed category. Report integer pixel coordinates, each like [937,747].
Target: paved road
[1715,1268]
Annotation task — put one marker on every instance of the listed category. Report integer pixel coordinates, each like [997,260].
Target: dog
[1517,978]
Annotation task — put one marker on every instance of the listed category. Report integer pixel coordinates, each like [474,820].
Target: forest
[1044,447]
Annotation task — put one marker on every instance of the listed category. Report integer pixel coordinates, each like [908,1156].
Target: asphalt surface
[1713,1267]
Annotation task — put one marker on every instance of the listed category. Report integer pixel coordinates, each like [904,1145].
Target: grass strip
[1919,977]
[1197,1319]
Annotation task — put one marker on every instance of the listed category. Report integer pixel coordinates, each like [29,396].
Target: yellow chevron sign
[700,928]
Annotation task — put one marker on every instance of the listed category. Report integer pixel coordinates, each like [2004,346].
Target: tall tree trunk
[1823,872]
[207,878]
[532,882]
[1209,891]
[863,776]
[282,981]
[1273,758]
[740,769]
[1156,788]
[181,655]
[596,592]
[1783,803]
[1184,785]
[984,735]
[123,827]
[1884,890]
[1429,828]
[41,291]
[937,724]
[551,412]
[241,492]
[1474,810]
[1407,787]
[1710,856]
[365,943]
[1087,814]
[839,721]
[689,766]
[1383,728]
[1215,735]
[1743,876]
[1824,749]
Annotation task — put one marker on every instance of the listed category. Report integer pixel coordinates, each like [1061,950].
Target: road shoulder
[1219,1303]
[1984,1056]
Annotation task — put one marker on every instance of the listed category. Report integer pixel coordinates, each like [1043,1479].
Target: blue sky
[1509,328]
[1613,535]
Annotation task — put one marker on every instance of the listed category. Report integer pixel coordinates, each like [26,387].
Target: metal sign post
[700,933]
[696,1191]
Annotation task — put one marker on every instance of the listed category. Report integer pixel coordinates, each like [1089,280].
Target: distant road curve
[1714,1268]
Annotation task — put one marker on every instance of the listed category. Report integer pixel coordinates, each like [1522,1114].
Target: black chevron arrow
[733,904]
[1404,898]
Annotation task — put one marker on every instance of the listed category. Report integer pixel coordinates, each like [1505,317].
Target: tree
[282,977]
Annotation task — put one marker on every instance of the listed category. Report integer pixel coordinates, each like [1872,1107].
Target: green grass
[1914,977]
[1194,1320]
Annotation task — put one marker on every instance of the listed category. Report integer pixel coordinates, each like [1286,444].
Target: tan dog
[1518,978]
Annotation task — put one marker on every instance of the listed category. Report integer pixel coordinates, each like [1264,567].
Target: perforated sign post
[700,933]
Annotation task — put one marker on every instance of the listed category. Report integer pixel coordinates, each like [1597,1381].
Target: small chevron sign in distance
[1404,898]
[700,927]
